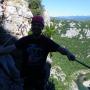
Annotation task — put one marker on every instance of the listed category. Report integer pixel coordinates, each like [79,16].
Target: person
[9,74]
[35,50]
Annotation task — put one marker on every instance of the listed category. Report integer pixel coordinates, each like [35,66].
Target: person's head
[37,25]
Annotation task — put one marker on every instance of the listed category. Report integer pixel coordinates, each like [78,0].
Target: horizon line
[71,16]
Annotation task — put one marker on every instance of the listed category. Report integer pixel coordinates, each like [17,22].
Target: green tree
[83,27]
[49,31]
[65,26]
[88,25]
[36,7]
[77,26]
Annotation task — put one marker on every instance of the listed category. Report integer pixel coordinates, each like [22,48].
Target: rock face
[57,73]
[79,82]
[46,17]
[15,16]
[73,31]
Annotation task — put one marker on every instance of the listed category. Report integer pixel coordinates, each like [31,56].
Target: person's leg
[47,71]
[28,84]
[31,79]
[39,85]
[43,77]
[38,78]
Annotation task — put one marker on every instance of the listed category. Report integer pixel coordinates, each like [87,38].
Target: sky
[67,7]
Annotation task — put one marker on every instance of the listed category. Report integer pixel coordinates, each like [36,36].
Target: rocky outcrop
[57,73]
[15,16]
[46,17]
[73,31]
[79,82]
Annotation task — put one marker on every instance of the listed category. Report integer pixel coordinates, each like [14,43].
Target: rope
[82,63]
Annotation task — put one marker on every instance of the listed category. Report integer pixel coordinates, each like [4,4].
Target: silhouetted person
[9,73]
[35,49]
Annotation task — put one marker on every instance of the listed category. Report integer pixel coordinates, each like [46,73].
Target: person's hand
[71,57]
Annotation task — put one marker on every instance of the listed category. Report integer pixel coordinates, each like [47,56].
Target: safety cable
[82,63]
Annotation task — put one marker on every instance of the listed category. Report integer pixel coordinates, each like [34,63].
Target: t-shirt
[35,50]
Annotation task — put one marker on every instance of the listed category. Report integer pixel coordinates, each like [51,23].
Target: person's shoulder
[47,40]
[45,37]
[26,37]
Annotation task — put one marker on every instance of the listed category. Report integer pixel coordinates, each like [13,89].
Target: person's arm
[54,47]
[7,49]
[66,52]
